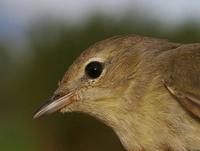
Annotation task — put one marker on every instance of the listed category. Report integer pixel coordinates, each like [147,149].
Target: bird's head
[97,81]
[120,81]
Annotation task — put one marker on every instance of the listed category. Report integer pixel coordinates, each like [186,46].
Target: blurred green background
[28,79]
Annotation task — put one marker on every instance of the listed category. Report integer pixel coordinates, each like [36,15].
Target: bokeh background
[39,39]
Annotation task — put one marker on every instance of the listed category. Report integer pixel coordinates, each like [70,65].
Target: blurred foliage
[26,82]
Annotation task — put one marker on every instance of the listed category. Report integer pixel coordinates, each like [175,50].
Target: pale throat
[122,122]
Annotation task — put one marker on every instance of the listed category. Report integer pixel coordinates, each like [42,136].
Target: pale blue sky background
[17,15]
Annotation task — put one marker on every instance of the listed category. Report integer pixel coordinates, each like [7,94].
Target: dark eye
[94,69]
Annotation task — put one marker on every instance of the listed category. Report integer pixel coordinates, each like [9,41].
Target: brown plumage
[146,89]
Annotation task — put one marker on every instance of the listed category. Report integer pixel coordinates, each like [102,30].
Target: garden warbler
[146,89]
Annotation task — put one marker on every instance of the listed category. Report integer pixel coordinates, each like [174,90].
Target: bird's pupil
[94,69]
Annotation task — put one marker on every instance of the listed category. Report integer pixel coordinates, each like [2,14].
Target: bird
[146,89]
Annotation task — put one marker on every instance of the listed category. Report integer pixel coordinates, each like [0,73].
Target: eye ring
[94,69]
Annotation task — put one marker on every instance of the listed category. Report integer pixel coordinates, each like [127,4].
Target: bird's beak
[55,104]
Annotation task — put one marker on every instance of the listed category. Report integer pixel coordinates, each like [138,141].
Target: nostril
[57,96]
